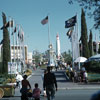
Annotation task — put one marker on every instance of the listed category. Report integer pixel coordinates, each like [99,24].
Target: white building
[19,53]
[29,57]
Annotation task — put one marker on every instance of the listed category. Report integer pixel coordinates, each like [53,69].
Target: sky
[29,13]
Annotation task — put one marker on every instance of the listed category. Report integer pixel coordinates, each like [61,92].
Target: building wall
[29,57]
[19,53]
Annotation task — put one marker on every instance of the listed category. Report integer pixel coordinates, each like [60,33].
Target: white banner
[12,67]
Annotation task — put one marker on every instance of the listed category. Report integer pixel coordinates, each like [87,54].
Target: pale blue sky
[29,14]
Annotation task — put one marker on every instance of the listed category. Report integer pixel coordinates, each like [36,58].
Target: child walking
[36,92]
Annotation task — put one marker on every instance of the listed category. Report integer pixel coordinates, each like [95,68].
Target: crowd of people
[49,86]
[77,75]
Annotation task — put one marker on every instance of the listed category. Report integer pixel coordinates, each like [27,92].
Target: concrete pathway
[63,84]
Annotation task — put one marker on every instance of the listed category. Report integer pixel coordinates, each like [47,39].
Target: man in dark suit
[50,84]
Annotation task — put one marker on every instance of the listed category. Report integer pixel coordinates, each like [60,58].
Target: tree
[90,44]
[67,56]
[84,37]
[93,8]
[36,57]
[6,46]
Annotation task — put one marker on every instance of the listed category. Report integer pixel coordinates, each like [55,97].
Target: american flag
[44,21]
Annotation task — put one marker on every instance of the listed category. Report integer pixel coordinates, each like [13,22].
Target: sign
[12,67]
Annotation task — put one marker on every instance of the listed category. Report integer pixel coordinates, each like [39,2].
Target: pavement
[62,81]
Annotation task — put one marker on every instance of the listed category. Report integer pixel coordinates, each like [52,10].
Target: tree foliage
[6,46]
[93,9]
[84,37]
[67,56]
[90,44]
[36,57]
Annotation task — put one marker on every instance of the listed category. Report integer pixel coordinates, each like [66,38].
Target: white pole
[13,42]
[72,50]
[48,30]
[77,39]
[23,51]
[17,47]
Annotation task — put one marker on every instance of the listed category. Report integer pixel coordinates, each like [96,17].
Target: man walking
[50,84]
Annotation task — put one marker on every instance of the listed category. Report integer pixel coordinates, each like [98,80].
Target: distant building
[19,53]
[29,57]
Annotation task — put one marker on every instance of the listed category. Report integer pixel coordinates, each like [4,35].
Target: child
[36,92]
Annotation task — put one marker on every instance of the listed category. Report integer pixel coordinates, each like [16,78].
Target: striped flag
[44,21]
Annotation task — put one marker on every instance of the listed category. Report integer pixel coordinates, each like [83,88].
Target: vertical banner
[12,68]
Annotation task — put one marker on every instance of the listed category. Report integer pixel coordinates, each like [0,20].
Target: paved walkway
[62,81]
[63,84]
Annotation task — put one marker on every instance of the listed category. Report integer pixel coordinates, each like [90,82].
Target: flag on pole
[19,34]
[70,22]
[70,31]
[44,21]
[15,29]
[8,24]
[22,36]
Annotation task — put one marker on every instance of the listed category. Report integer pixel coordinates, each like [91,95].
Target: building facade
[19,53]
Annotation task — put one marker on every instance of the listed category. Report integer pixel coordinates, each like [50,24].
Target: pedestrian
[72,75]
[49,84]
[44,91]
[75,76]
[25,88]
[19,78]
[36,92]
[85,76]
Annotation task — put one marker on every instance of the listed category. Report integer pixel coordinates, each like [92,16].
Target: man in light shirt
[19,78]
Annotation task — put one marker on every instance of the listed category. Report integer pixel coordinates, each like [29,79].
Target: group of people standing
[77,76]
[49,85]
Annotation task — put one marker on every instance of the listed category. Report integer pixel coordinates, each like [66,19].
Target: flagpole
[16,47]
[23,52]
[13,42]
[48,30]
[19,45]
[72,51]
[77,37]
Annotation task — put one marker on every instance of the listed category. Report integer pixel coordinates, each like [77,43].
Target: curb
[79,88]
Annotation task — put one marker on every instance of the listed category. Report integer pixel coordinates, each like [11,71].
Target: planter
[9,90]
[1,93]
